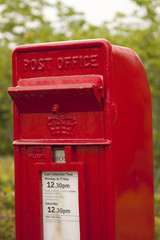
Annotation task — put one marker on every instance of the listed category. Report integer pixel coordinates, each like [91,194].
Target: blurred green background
[24,22]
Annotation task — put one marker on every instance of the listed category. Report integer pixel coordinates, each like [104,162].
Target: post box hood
[71,93]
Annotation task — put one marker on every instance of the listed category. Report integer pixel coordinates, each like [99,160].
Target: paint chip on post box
[82,142]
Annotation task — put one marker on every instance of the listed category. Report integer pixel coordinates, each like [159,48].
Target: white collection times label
[60,206]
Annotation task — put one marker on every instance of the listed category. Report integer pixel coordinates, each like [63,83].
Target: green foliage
[20,18]
[157,215]
[7,216]
[157,180]
[5,101]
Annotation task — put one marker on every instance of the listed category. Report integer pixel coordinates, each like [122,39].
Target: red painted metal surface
[94,99]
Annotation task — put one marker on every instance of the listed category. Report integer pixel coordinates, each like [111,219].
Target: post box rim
[74,44]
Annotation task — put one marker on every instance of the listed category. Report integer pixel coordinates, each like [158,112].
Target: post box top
[75,44]
[61,72]
[70,58]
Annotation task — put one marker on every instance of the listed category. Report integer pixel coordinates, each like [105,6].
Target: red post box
[82,142]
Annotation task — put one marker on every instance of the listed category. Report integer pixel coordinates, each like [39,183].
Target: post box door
[88,172]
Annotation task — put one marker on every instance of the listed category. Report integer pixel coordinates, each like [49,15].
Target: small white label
[60,206]
[59,156]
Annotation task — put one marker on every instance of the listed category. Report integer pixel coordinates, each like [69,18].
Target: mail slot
[82,142]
